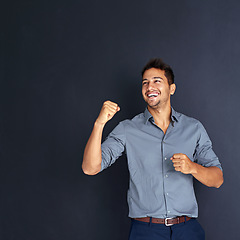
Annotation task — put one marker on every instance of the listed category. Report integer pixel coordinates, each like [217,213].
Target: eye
[157,81]
[144,83]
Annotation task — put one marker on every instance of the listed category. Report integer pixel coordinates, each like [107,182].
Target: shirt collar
[175,115]
[148,116]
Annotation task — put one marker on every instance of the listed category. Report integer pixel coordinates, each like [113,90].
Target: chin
[154,106]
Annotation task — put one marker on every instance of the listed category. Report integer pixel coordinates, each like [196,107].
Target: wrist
[99,124]
[194,168]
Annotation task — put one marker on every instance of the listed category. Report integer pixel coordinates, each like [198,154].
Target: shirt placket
[165,174]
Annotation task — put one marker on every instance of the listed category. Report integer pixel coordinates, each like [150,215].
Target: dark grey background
[60,60]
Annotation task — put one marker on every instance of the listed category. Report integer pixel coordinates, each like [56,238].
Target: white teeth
[152,95]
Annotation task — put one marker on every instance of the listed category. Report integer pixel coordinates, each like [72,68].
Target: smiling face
[156,90]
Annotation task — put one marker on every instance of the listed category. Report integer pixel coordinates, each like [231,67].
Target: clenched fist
[109,109]
[182,163]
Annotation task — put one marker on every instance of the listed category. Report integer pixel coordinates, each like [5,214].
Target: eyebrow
[153,78]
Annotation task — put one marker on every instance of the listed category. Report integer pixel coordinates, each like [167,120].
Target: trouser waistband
[166,221]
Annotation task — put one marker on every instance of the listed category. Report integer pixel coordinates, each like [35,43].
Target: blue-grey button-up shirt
[155,188]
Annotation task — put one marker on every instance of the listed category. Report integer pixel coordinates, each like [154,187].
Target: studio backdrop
[60,60]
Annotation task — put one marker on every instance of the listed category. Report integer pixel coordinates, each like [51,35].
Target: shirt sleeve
[113,146]
[204,154]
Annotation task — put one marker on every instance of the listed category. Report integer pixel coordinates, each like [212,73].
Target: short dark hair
[159,64]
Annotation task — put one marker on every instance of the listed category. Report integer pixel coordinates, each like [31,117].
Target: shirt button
[167,193]
[165,158]
[166,176]
[168,211]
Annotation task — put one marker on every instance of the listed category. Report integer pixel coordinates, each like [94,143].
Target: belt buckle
[168,224]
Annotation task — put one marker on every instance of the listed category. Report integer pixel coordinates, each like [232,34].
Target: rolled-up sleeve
[113,146]
[204,154]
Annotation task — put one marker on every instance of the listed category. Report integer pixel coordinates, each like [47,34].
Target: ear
[172,88]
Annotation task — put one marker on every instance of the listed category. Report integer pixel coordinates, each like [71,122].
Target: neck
[161,115]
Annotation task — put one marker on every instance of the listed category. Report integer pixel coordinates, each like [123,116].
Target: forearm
[92,157]
[209,176]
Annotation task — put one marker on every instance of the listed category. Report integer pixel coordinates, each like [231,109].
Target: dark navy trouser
[190,230]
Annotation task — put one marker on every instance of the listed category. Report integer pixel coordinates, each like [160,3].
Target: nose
[150,85]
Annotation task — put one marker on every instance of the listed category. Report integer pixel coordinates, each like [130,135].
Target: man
[165,150]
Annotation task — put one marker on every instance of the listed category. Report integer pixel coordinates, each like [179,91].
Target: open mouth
[152,95]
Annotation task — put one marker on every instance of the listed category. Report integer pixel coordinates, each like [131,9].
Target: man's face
[155,88]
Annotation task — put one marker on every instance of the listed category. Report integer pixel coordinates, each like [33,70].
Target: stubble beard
[154,106]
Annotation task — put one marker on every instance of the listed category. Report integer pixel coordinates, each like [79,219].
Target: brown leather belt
[167,221]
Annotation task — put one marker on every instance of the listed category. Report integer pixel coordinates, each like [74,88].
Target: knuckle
[105,104]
